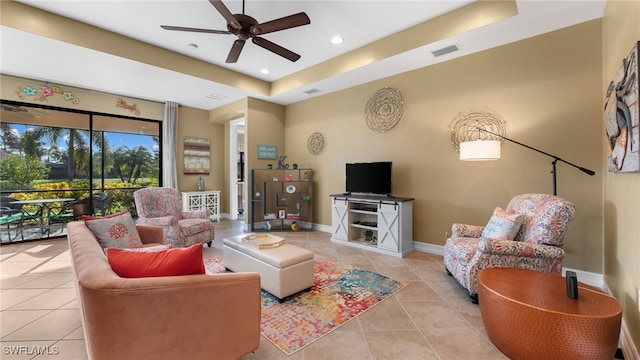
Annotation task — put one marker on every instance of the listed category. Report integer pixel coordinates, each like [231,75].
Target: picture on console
[373,178]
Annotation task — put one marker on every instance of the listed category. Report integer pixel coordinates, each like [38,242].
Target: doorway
[237,170]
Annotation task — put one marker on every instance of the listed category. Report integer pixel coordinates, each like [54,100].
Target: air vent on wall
[311,91]
[445,50]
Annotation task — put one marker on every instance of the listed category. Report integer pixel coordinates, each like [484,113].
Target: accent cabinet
[382,224]
[200,200]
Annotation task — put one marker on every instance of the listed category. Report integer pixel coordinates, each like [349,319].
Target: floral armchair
[162,207]
[537,244]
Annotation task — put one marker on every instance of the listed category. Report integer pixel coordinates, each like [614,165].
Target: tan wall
[265,125]
[195,123]
[546,88]
[222,116]
[621,191]
[87,100]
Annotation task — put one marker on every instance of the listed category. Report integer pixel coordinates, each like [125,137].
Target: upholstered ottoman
[284,270]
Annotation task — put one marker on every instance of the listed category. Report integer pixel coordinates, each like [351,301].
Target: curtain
[169,136]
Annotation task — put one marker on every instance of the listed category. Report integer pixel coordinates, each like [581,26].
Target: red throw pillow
[170,262]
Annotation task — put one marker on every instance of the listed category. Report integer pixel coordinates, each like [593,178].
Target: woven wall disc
[465,126]
[315,143]
[384,109]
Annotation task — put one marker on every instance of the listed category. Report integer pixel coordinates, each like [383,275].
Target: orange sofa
[173,317]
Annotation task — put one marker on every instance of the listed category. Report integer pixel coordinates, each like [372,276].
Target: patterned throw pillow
[117,230]
[503,225]
[170,262]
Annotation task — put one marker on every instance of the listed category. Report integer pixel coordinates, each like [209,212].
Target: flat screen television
[369,178]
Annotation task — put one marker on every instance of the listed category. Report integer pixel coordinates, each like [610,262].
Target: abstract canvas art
[196,155]
[621,117]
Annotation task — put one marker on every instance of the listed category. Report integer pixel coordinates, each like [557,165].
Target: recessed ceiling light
[337,39]
[265,71]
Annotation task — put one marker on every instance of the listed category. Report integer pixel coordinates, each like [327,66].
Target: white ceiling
[360,22]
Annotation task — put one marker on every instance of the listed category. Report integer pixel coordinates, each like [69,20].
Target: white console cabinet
[199,200]
[389,221]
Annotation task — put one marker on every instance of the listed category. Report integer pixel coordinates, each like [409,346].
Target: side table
[200,200]
[528,315]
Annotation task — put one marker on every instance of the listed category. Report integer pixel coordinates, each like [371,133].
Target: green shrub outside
[119,195]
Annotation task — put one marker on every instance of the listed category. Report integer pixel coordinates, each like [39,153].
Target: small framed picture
[281,214]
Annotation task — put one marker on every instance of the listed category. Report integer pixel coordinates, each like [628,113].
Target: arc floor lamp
[476,143]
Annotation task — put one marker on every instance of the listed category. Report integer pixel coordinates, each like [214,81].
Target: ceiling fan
[245,27]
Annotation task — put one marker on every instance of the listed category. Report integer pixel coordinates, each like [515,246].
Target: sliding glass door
[96,160]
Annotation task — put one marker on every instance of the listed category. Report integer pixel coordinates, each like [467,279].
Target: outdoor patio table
[41,215]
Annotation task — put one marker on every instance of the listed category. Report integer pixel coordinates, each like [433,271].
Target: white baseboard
[428,248]
[589,278]
[629,349]
[323,228]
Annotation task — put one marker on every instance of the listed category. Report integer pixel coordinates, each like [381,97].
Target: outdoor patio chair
[11,216]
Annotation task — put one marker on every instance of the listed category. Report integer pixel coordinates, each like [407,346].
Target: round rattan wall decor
[316,143]
[384,109]
[466,124]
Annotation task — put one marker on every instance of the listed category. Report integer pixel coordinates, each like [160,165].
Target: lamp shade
[480,150]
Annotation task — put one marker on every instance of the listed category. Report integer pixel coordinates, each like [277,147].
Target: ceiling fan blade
[275,48]
[283,23]
[226,14]
[180,28]
[236,48]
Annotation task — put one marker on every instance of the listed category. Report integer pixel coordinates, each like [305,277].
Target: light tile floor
[431,318]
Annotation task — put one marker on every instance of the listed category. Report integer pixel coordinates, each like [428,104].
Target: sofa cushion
[503,225]
[117,230]
[169,262]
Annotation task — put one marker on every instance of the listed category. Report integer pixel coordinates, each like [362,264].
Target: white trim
[320,227]
[629,349]
[589,278]
[428,248]
[234,129]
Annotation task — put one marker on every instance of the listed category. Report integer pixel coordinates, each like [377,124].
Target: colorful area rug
[339,294]
[213,266]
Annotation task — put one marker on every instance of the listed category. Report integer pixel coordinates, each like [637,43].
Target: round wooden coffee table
[528,315]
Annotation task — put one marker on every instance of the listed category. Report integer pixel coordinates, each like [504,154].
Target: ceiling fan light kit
[245,27]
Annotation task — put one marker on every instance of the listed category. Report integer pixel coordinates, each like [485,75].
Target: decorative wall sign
[621,116]
[196,155]
[267,151]
[133,107]
[384,109]
[315,143]
[44,92]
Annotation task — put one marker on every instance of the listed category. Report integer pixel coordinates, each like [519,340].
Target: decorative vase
[267,226]
[200,184]
[294,226]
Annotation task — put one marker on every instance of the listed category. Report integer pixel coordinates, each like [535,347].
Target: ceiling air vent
[214,96]
[445,50]
[311,91]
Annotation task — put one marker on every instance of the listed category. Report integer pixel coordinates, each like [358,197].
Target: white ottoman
[284,270]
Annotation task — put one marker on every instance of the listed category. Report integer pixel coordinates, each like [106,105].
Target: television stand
[380,223]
